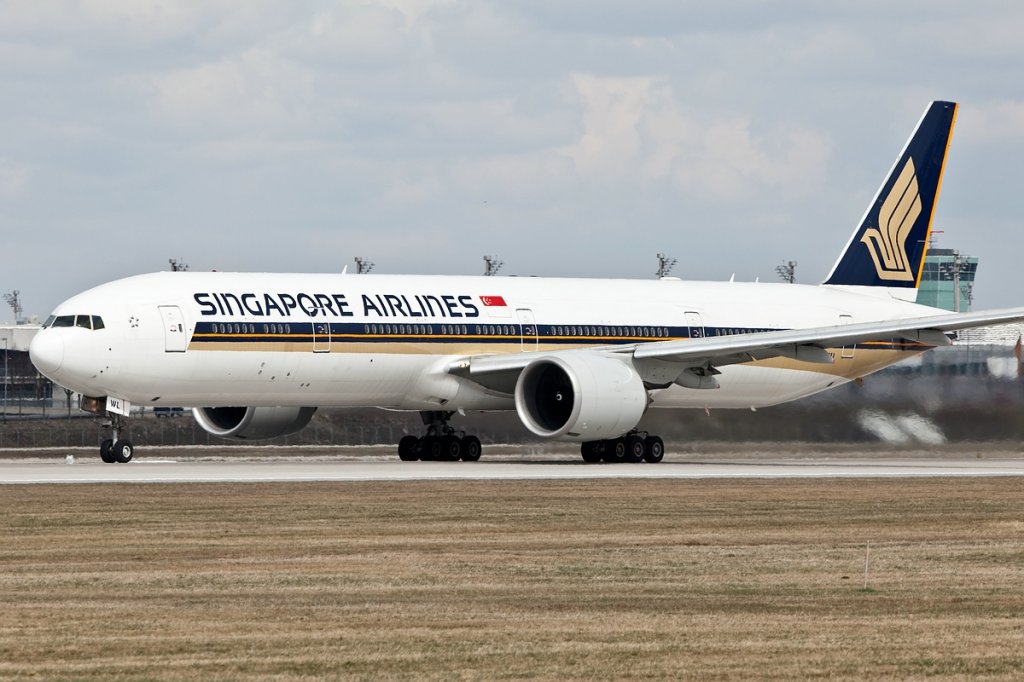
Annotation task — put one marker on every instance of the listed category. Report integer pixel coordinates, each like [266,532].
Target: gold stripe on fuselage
[865,359]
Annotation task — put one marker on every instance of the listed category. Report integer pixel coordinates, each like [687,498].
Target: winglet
[888,247]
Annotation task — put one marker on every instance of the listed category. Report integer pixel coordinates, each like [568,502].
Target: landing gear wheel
[615,451]
[430,449]
[471,449]
[407,449]
[591,451]
[105,454]
[634,449]
[440,442]
[451,448]
[122,450]
[654,449]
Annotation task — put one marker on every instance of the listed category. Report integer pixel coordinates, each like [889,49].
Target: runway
[172,470]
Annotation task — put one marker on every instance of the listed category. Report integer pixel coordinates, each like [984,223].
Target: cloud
[993,122]
[14,179]
[256,90]
[636,129]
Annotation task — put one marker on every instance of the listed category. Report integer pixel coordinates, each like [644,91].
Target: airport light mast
[177,265]
[15,303]
[787,271]
[363,266]
[492,265]
[665,265]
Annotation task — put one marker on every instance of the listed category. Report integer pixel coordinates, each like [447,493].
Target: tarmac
[72,469]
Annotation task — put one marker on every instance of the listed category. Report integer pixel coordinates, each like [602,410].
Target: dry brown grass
[509,580]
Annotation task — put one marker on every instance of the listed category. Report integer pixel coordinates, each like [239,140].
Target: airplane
[579,360]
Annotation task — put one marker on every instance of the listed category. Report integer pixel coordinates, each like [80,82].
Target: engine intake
[252,423]
[580,397]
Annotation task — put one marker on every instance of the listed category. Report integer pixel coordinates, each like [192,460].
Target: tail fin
[887,249]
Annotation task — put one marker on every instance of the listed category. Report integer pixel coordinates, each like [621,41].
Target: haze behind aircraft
[579,360]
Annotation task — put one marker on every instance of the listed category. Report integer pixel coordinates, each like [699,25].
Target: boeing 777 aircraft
[579,360]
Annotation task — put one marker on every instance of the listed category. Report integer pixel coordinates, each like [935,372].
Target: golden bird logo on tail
[887,243]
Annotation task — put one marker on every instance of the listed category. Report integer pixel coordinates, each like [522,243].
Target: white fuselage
[232,339]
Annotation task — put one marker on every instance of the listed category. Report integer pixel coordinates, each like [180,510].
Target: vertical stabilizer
[887,249]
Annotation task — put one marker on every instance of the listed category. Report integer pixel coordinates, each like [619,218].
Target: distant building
[20,383]
[947,280]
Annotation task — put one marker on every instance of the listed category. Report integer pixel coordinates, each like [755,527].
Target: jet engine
[252,423]
[580,397]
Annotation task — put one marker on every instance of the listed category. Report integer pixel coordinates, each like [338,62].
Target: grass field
[511,580]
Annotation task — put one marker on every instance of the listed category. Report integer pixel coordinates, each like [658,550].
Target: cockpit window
[83,321]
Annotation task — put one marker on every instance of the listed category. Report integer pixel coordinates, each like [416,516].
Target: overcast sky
[567,137]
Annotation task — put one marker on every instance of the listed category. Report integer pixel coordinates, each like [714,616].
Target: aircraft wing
[499,372]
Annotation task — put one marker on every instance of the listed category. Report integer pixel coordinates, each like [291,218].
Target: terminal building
[22,388]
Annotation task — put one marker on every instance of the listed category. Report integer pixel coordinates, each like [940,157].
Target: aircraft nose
[47,352]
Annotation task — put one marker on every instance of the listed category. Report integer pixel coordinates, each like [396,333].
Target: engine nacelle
[252,423]
[580,397]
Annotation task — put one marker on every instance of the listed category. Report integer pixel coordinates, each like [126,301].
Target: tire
[451,448]
[471,449]
[654,449]
[407,448]
[105,454]
[634,449]
[430,449]
[591,452]
[123,451]
[615,451]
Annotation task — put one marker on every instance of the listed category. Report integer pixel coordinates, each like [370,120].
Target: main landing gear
[117,449]
[633,447]
[441,442]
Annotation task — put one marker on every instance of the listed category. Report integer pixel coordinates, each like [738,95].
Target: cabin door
[696,324]
[175,337]
[527,329]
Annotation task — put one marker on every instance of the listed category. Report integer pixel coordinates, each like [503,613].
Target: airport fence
[810,422]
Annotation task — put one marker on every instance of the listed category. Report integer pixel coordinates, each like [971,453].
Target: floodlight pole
[787,271]
[6,378]
[492,265]
[665,265]
[15,303]
[363,266]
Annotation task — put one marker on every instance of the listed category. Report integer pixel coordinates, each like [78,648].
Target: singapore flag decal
[492,300]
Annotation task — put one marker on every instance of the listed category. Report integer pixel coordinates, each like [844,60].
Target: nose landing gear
[117,449]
